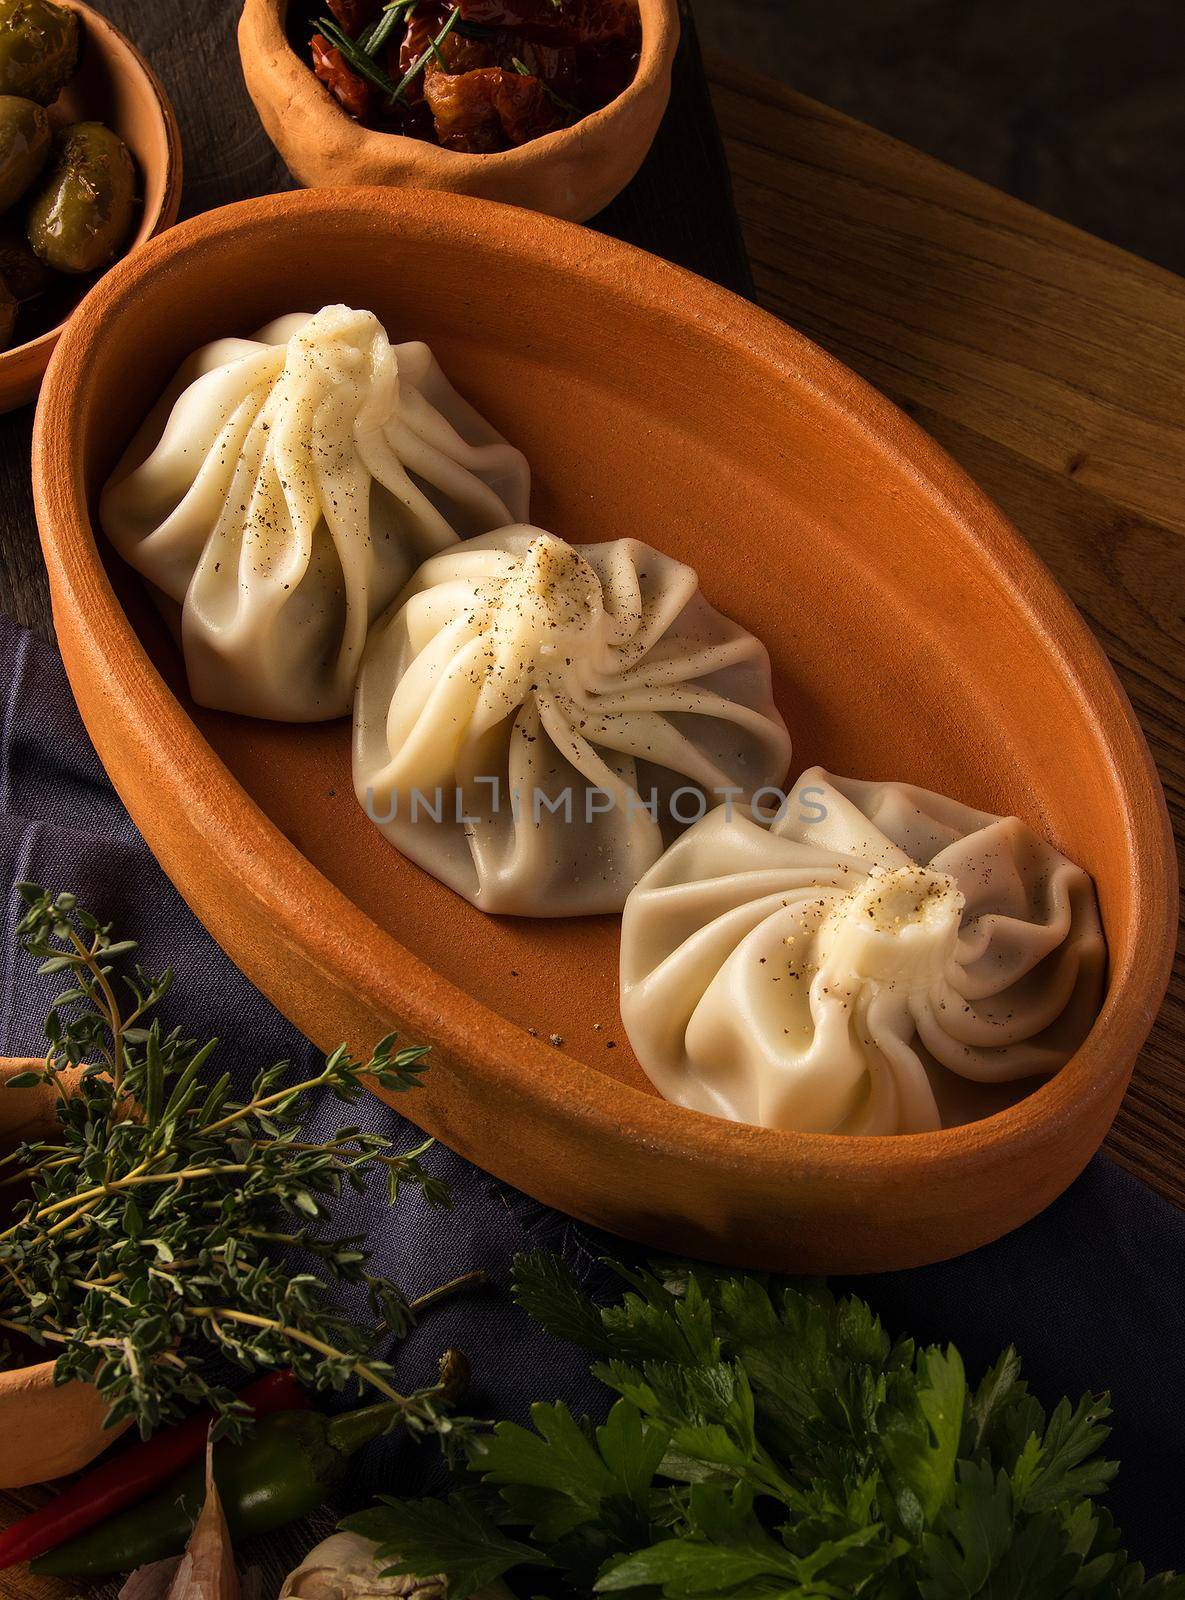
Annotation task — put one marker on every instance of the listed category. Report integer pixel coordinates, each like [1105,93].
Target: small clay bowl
[48,1430]
[114,84]
[573,173]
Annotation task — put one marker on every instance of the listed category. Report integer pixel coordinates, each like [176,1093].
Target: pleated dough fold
[547,703]
[283,491]
[812,974]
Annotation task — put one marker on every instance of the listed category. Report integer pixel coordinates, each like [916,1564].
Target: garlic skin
[282,492]
[542,700]
[822,974]
[343,1567]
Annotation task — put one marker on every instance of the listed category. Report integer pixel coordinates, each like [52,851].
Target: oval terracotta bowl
[114,84]
[572,173]
[912,633]
[47,1430]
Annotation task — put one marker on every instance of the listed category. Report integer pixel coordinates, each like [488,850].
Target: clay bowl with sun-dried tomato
[550,104]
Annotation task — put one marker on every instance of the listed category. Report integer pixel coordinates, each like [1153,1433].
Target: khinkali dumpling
[283,491]
[805,975]
[526,703]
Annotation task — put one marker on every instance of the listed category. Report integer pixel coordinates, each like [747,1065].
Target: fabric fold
[1089,1292]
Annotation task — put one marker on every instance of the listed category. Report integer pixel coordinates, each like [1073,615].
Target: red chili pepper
[134,1473]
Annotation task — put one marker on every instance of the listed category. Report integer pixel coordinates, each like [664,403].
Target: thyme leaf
[143,1241]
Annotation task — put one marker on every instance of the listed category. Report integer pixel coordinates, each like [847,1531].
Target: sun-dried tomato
[425,22]
[603,75]
[523,105]
[525,68]
[354,15]
[578,22]
[465,117]
[340,79]
[462,54]
[558,66]
[421,29]
[490,109]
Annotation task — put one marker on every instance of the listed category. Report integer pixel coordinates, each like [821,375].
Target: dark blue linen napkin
[1091,1292]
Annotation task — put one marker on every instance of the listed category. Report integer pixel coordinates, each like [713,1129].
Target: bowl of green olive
[90,166]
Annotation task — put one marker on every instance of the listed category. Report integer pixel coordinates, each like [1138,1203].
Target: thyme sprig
[144,1243]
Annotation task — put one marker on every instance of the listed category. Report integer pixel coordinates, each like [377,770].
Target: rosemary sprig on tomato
[515,69]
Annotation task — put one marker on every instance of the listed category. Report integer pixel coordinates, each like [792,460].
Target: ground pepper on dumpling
[560,705]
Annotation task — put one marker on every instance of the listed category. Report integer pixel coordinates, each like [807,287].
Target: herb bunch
[145,1225]
[771,1442]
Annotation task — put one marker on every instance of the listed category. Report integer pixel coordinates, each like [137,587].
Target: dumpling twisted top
[820,974]
[284,489]
[547,703]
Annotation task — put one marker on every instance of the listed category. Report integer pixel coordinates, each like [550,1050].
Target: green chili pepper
[286,1468]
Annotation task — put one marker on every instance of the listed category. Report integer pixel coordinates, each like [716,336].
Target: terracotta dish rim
[542,1078]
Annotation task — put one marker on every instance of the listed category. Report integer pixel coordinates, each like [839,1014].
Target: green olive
[24,146]
[83,214]
[38,48]
[7,314]
[24,273]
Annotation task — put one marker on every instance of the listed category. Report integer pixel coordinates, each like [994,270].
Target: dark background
[1077,106]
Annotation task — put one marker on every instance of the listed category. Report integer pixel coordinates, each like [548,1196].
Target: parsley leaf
[772,1442]
[731,1548]
[456,1536]
[922,1439]
[546,1290]
[563,1461]
[1058,1467]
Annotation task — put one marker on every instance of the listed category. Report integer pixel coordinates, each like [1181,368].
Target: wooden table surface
[1051,365]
